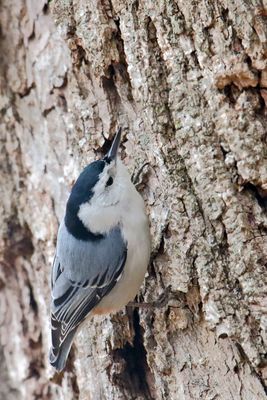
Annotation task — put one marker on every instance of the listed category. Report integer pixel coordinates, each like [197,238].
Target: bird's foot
[161,302]
[136,177]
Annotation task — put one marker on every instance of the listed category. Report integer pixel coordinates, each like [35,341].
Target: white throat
[112,206]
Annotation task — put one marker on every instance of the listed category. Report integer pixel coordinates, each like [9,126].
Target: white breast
[136,233]
[129,212]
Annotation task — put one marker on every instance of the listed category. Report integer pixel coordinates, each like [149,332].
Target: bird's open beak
[112,154]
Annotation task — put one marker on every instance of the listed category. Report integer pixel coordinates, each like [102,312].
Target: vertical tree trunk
[187,82]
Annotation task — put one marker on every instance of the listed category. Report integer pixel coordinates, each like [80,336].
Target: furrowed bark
[187,82]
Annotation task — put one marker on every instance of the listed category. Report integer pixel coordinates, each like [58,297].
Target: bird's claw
[161,302]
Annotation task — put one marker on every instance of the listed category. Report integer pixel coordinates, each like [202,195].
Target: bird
[102,250]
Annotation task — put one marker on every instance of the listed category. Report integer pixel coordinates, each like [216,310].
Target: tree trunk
[187,82]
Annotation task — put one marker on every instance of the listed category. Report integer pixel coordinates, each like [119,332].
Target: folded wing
[83,273]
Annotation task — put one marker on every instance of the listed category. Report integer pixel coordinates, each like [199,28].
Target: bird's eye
[109,181]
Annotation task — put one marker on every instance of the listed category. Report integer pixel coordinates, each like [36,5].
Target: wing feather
[77,289]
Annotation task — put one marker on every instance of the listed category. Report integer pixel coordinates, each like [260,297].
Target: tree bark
[187,82]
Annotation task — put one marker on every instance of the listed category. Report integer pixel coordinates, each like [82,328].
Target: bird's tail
[60,350]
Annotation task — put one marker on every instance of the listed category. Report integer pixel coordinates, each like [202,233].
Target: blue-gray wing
[83,273]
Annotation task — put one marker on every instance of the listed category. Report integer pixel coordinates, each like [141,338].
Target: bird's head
[98,191]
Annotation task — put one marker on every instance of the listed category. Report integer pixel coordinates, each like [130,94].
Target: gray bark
[187,82]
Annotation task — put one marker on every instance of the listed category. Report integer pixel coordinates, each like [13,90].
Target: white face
[106,191]
[110,199]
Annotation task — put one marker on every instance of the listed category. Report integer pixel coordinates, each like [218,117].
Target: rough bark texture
[187,81]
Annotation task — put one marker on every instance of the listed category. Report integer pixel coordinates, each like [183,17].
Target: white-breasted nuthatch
[102,253]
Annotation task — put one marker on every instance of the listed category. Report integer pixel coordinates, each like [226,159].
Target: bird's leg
[161,302]
[135,177]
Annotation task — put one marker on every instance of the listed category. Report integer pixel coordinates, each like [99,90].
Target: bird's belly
[127,287]
[123,292]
